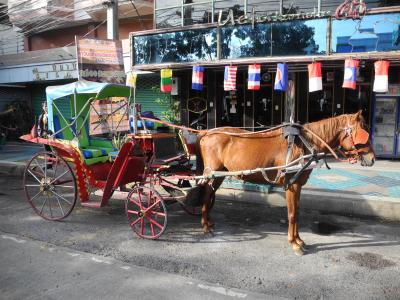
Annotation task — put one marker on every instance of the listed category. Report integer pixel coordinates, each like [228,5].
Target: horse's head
[354,140]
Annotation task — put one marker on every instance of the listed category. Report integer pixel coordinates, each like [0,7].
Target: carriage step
[91,204]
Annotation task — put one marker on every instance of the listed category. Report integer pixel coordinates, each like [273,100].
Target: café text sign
[252,18]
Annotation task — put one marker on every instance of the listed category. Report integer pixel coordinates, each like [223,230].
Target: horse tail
[199,156]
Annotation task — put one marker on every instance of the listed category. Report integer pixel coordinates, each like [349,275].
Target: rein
[354,153]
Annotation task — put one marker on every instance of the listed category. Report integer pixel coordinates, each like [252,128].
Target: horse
[233,149]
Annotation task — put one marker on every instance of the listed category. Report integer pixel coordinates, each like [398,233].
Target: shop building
[37,46]
[219,33]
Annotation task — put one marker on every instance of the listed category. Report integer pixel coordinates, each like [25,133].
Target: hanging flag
[381,82]
[254,77]
[281,79]
[197,78]
[131,79]
[314,77]
[166,80]
[350,73]
[230,78]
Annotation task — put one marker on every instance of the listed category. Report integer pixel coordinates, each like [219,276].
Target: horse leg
[205,210]
[291,199]
[216,183]
[299,241]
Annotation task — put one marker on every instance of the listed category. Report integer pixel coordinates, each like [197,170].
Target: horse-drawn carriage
[80,164]
[156,165]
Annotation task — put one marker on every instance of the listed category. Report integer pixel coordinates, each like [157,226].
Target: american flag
[230,78]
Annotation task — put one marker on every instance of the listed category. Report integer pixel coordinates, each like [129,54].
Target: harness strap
[292,180]
[265,175]
[290,148]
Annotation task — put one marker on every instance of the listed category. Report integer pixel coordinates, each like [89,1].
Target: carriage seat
[94,150]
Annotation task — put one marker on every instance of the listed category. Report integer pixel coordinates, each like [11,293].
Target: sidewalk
[345,189]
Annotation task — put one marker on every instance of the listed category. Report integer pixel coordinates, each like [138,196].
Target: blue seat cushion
[92,151]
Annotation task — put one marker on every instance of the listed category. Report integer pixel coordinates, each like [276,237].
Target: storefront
[295,39]
[386,123]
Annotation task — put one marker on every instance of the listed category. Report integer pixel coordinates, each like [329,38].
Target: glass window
[168,17]
[243,41]
[163,3]
[262,7]
[332,5]
[371,33]
[299,37]
[184,46]
[235,5]
[295,7]
[197,14]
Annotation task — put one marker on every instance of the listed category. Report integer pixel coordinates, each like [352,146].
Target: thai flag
[281,79]
[350,73]
[381,84]
[314,77]
[197,78]
[230,78]
[254,77]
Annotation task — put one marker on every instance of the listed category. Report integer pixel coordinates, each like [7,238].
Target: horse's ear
[358,115]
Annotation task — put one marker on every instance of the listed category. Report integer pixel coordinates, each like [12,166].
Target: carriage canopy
[79,93]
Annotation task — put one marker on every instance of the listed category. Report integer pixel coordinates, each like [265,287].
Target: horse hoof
[298,252]
[207,230]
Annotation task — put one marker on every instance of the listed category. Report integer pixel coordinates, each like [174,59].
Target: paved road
[248,255]
[39,270]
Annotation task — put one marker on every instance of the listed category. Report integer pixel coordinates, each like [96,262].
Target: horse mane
[242,133]
[326,129]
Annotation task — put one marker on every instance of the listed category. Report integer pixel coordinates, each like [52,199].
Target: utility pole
[112,19]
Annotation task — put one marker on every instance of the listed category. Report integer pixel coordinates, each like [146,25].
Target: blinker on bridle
[358,139]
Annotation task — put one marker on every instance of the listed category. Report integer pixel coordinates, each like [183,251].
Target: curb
[12,168]
[325,202]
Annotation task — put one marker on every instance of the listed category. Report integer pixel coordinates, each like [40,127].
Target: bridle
[357,138]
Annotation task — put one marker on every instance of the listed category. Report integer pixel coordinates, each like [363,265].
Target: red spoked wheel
[146,212]
[50,186]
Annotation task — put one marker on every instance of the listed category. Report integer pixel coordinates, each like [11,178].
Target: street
[94,254]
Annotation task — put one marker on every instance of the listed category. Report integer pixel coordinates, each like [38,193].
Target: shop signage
[100,60]
[252,18]
[351,9]
[54,71]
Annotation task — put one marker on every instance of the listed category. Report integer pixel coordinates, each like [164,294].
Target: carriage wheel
[146,212]
[50,186]
[196,210]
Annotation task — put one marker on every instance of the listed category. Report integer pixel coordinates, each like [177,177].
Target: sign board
[109,116]
[253,18]
[100,60]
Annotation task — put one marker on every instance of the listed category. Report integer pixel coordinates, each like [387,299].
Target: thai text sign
[100,60]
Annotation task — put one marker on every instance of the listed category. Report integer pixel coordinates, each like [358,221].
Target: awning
[99,90]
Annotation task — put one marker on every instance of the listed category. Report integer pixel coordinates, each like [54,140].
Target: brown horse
[232,149]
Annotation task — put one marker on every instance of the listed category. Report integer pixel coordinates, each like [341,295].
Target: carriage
[153,165]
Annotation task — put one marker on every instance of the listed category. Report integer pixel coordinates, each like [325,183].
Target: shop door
[386,131]
[230,109]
